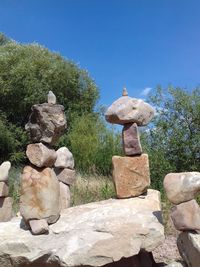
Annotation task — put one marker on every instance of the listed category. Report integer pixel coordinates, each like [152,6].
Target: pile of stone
[45,182]
[181,190]
[5,201]
[130,173]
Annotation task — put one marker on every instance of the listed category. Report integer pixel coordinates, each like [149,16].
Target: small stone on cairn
[6,202]
[45,183]
[130,173]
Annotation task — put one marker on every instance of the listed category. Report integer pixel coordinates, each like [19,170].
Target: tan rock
[40,194]
[181,187]
[4,189]
[4,170]
[39,226]
[64,158]
[131,175]
[6,212]
[189,247]
[131,140]
[186,216]
[40,155]
[67,176]
[64,196]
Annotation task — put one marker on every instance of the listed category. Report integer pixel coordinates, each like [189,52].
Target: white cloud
[146,91]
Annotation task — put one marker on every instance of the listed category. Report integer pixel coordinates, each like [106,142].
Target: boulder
[182,187]
[67,176]
[46,123]
[189,247]
[40,194]
[64,196]
[6,212]
[126,110]
[64,158]
[4,170]
[186,216]
[39,227]
[131,140]
[4,189]
[40,155]
[94,234]
[131,175]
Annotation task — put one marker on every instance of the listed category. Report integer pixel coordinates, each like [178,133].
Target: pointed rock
[51,98]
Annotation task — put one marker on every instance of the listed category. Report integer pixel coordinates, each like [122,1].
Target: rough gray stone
[67,176]
[39,226]
[4,171]
[64,158]
[65,196]
[6,212]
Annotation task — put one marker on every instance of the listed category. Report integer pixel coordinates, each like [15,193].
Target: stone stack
[44,192]
[130,173]
[181,190]
[5,201]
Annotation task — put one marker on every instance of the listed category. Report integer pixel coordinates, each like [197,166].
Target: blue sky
[133,43]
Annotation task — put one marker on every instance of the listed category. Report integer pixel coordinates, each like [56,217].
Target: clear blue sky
[134,43]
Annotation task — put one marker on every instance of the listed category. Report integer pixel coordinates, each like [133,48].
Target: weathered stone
[131,140]
[51,98]
[4,189]
[39,226]
[67,176]
[175,264]
[40,155]
[40,194]
[64,196]
[189,247]
[181,187]
[186,216]
[94,234]
[64,158]
[131,175]
[4,170]
[6,212]
[46,123]
[126,110]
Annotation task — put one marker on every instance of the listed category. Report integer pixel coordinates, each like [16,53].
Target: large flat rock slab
[94,234]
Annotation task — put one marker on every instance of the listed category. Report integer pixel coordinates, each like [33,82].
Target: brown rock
[6,212]
[4,189]
[40,194]
[131,175]
[46,123]
[67,176]
[186,216]
[64,196]
[41,155]
[39,226]
[131,140]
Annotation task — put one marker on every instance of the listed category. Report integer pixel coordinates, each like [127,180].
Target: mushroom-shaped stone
[127,109]
[51,98]
[4,170]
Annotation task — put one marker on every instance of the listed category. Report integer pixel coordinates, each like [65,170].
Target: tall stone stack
[5,201]
[45,181]
[181,190]
[130,173]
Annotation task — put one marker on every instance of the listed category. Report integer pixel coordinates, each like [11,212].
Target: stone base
[131,175]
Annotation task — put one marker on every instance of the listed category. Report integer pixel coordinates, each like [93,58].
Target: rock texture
[39,194]
[6,212]
[131,140]
[186,216]
[126,109]
[39,226]
[181,187]
[65,196]
[4,171]
[4,189]
[67,176]
[40,155]
[94,234]
[189,248]
[64,158]
[131,175]
[46,123]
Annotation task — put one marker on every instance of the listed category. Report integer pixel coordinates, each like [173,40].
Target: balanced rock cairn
[5,201]
[181,190]
[130,173]
[45,182]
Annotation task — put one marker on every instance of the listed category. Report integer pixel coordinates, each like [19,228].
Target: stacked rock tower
[5,201]
[130,173]
[45,182]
